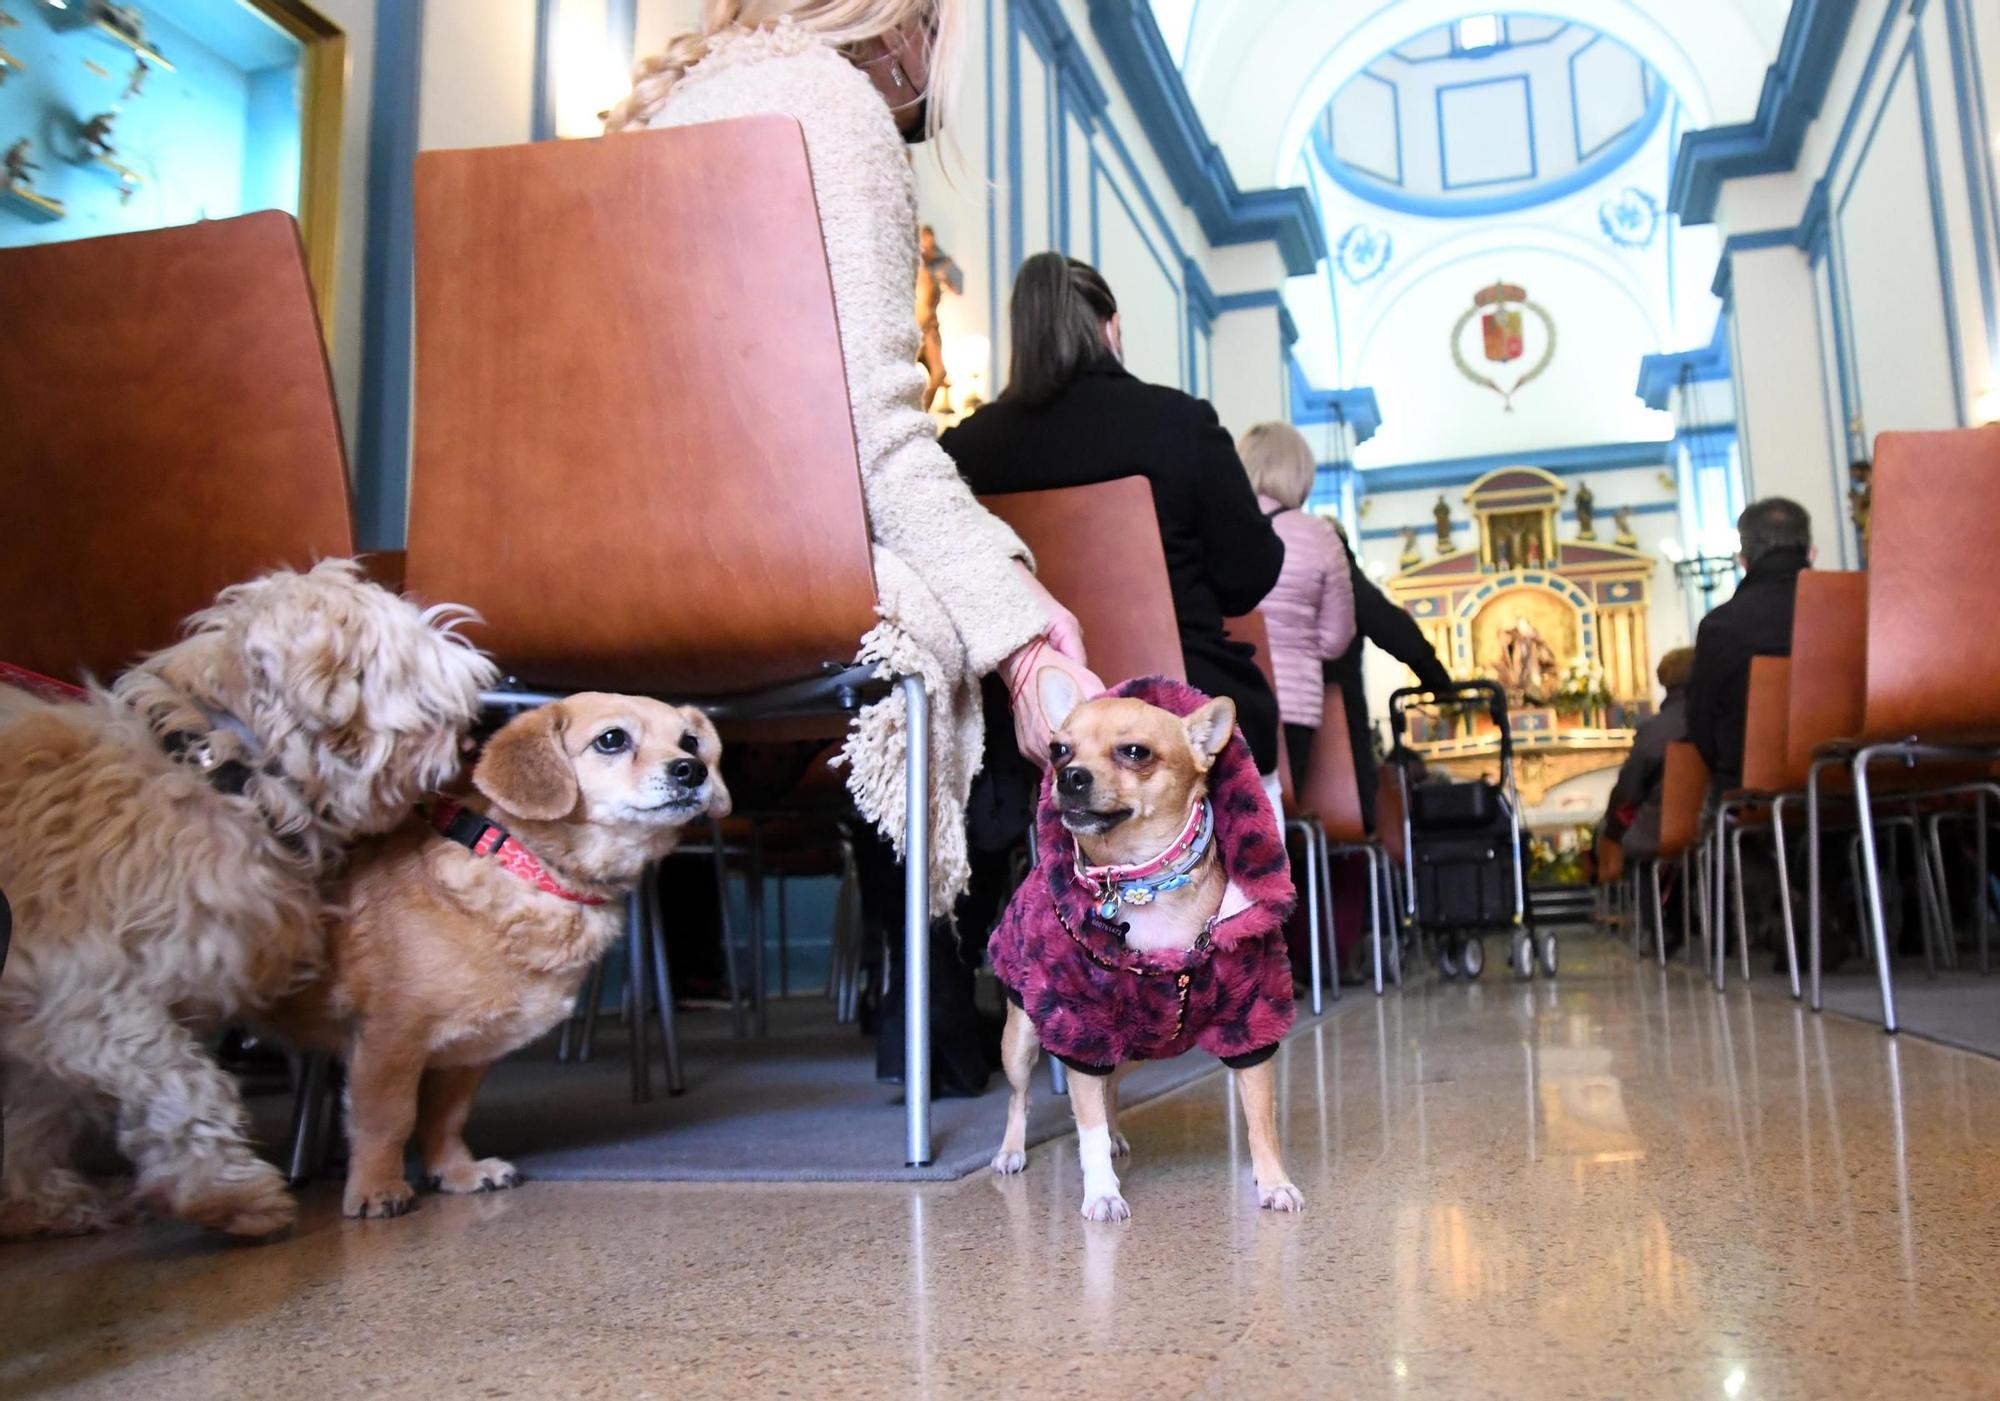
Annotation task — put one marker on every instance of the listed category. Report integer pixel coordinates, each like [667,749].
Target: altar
[1559,624]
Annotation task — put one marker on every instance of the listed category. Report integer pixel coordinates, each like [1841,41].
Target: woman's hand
[1061,648]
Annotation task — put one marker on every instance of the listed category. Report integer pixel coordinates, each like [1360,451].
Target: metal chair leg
[784,940]
[635,992]
[1659,915]
[1979,892]
[1313,978]
[1742,924]
[1872,874]
[1718,892]
[760,1002]
[594,997]
[1375,916]
[1785,894]
[728,929]
[308,1136]
[1687,903]
[1815,956]
[1058,1077]
[1326,885]
[917,925]
[1389,919]
[663,981]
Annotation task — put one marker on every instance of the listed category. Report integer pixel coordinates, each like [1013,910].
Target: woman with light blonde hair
[1310,611]
[959,600]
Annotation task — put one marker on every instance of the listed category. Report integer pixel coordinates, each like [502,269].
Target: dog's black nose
[688,773]
[1074,780]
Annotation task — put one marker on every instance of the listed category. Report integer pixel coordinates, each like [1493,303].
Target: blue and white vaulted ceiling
[1488,115]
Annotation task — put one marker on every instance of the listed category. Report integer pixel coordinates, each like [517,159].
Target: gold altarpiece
[1560,623]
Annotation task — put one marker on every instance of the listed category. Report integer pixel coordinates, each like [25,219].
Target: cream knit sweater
[952,604]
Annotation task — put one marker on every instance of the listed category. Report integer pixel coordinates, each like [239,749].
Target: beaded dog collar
[1113,887]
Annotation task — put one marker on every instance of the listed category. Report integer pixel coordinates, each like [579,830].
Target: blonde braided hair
[845,24]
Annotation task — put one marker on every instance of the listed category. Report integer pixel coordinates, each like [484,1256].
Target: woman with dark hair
[1072,416]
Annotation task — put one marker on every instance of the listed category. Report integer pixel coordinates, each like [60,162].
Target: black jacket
[1756,622]
[1222,555]
[1379,620]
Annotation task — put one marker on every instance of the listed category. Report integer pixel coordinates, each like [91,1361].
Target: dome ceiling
[1489,114]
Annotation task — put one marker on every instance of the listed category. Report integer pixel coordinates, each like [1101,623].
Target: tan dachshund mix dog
[1136,788]
[452,951]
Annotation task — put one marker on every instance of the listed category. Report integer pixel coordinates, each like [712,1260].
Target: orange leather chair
[1330,792]
[1828,694]
[1683,793]
[634,453]
[1933,664]
[1766,775]
[169,429]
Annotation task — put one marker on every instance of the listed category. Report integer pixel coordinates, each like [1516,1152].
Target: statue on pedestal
[1622,518]
[1441,513]
[18,164]
[1586,512]
[1411,556]
[1526,666]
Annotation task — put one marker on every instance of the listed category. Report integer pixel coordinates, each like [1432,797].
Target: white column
[1782,412]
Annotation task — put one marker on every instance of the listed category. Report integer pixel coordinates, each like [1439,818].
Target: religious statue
[18,164]
[1441,513]
[1526,668]
[936,272]
[96,133]
[1859,492]
[1503,557]
[135,80]
[1411,556]
[1531,551]
[1627,537]
[1586,512]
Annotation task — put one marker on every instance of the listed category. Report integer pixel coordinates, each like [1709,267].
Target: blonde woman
[864,78]
[1310,610]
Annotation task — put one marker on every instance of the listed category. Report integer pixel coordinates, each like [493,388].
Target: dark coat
[1222,555]
[1756,622]
[1379,620]
[1642,779]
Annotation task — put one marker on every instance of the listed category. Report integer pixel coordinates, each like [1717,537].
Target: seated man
[1775,545]
[1632,817]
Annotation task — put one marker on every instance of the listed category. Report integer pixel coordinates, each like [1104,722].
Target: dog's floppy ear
[1058,692]
[1209,729]
[525,768]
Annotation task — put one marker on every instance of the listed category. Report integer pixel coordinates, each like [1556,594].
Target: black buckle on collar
[469,829]
[230,777]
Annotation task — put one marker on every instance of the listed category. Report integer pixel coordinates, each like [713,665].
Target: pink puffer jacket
[1309,611]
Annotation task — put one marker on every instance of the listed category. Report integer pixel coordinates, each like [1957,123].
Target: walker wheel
[1548,955]
[1473,957]
[1447,960]
[1521,955]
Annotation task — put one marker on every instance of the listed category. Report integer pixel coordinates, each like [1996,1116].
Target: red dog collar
[484,837]
[39,686]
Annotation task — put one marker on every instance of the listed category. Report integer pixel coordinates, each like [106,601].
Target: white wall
[478,73]
[357,18]
[1889,320]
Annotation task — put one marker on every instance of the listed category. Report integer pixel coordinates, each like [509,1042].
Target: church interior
[1640,1038]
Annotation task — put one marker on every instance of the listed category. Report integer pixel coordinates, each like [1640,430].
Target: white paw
[1283,1197]
[1106,1208]
[483,1175]
[1007,1162]
[1121,1147]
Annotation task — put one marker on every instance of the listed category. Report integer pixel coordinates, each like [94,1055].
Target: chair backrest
[1933,565]
[1115,581]
[1829,666]
[1251,630]
[1329,791]
[1765,761]
[634,451]
[167,427]
[1682,794]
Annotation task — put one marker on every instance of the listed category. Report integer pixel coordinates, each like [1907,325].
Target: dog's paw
[71,1206]
[1121,1147]
[253,1205]
[1007,1161]
[1106,1208]
[484,1175]
[379,1200]
[1283,1197]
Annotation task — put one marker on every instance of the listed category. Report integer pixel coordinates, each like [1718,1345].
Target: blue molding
[1395,123]
[1660,375]
[1045,20]
[1203,305]
[1196,166]
[1794,88]
[621,24]
[388,304]
[1527,112]
[1982,190]
[1604,513]
[1458,55]
[1288,329]
[542,100]
[1747,243]
[1646,85]
[1355,407]
[1507,201]
[1562,462]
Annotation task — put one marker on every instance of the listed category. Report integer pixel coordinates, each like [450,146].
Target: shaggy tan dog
[446,953]
[163,845]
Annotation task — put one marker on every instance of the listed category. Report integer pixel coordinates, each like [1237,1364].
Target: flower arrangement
[1583,692]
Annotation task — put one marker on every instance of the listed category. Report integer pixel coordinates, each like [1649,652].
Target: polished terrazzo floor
[1619,1185]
